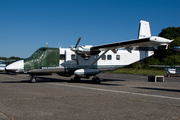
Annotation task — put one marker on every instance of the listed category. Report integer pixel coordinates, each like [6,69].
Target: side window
[117,57]
[109,57]
[86,58]
[62,56]
[104,57]
[96,57]
[73,57]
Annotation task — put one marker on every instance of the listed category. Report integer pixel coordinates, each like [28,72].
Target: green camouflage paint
[43,57]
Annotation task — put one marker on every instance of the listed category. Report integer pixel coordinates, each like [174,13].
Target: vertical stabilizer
[144,30]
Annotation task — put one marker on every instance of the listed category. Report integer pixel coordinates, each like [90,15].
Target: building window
[109,57]
[117,57]
[73,57]
[104,57]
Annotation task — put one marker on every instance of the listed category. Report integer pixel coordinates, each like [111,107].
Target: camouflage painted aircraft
[88,61]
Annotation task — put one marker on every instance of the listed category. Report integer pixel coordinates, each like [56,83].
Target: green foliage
[170,32]
[169,56]
[11,58]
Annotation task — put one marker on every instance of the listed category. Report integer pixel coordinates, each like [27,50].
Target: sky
[26,25]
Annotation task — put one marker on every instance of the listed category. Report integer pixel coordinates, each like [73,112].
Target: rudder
[144,30]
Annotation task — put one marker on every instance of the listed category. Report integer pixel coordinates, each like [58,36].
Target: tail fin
[144,30]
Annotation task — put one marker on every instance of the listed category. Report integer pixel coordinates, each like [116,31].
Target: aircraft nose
[15,67]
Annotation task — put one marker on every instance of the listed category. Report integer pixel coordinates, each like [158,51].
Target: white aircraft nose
[16,67]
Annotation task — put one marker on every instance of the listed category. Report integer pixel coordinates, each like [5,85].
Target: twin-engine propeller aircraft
[88,61]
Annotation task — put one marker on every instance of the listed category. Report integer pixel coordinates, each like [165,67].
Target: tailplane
[144,29]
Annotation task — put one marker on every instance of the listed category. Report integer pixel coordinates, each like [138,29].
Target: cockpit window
[38,53]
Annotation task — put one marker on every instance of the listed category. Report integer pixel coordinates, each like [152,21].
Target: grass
[140,71]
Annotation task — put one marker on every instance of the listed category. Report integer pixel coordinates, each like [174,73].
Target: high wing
[131,44]
[144,40]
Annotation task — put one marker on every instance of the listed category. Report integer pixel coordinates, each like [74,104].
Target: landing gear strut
[95,79]
[33,79]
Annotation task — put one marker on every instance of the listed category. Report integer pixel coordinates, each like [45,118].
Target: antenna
[58,44]
[47,44]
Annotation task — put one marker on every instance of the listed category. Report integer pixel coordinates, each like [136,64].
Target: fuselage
[64,61]
[172,70]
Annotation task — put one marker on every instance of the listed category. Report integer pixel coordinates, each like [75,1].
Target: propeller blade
[78,42]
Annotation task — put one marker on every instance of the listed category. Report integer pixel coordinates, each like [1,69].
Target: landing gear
[96,80]
[76,79]
[33,79]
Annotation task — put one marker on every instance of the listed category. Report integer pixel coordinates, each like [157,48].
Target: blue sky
[26,25]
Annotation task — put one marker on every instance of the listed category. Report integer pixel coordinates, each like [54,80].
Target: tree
[169,56]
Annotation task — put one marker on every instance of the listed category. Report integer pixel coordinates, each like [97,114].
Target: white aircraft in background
[4,63]
[88,61]
[170,70]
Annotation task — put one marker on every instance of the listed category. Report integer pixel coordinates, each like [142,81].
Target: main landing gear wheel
[33,79]
[76,79]
[96,80]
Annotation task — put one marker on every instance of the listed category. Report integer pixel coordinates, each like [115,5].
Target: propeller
[78,42]
[76,51]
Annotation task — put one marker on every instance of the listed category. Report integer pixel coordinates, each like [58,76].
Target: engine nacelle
[86,72]
[85,51]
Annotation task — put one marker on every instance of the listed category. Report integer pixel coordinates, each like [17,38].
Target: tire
[33,80]
[96,80]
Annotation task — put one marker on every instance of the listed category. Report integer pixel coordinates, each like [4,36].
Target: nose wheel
[33,79]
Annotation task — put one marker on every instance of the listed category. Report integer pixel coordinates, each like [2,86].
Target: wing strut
[98,58]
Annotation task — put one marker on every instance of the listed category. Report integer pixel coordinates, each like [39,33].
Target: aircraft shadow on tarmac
[160,89]
[107,80]
[8,73]
[54,80]
[86,81]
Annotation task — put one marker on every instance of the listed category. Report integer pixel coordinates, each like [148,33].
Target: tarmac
[118,96]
